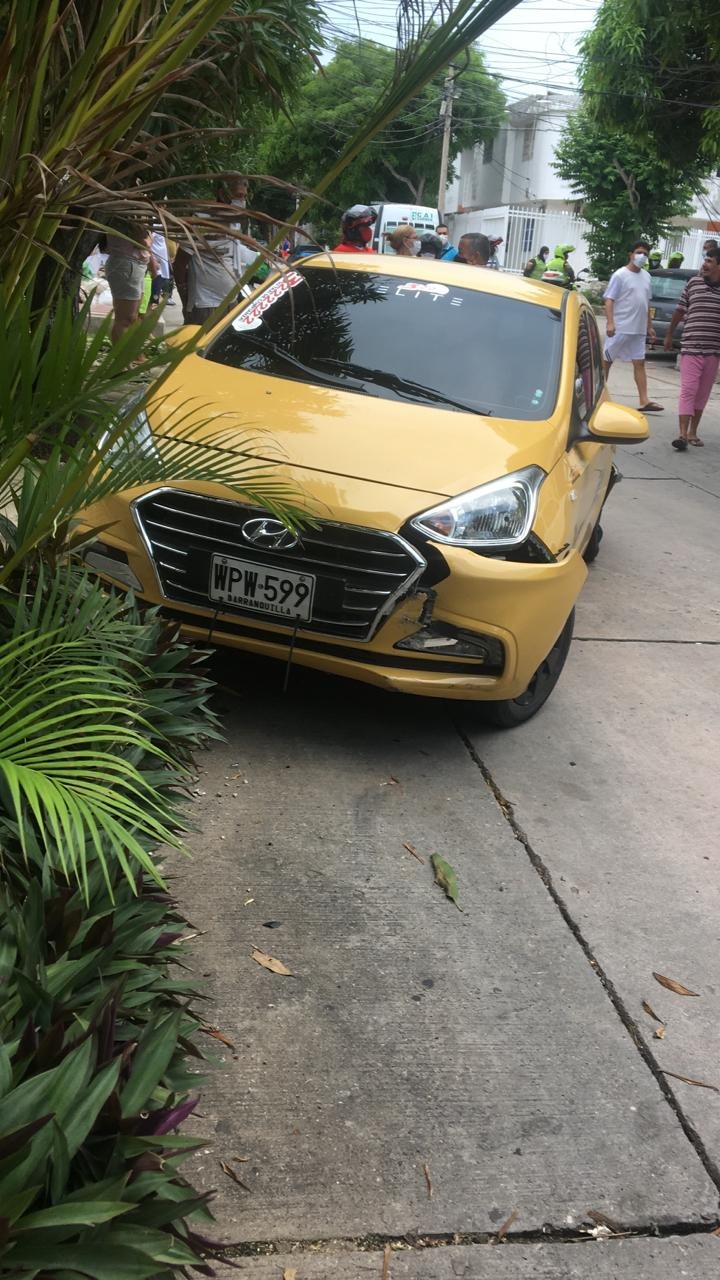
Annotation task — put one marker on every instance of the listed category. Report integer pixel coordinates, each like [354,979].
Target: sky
[533,49]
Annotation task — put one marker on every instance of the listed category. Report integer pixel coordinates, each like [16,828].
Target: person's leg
[126,313]
[690,371]
[706,381]
[640,376]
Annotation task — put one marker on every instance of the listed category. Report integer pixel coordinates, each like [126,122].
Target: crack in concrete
[711,1167]
[692,484]
[375,1242]
[638,640]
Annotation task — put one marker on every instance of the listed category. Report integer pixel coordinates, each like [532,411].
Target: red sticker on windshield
[252,316]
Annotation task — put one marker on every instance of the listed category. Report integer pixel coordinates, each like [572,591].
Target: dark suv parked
[667,285]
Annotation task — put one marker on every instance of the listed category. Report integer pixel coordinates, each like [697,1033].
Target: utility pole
[446,110]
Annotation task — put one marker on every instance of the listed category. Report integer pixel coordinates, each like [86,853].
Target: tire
[509,712]
[593,546]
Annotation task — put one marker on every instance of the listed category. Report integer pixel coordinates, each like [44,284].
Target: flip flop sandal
[699,444]
[680,444]
[651,407]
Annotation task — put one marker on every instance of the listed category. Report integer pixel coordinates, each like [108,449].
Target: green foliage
[650,66]
[72,429]
[402,161]
[628,190]
[95,1022]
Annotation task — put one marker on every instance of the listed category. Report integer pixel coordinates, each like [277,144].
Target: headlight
[499,514]
[136,438]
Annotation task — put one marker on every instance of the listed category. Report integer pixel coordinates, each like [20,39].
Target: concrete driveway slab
[479,1042]
[694,1257]
[657,575]
[615,784]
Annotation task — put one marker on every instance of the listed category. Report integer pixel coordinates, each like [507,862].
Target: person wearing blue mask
[629,322]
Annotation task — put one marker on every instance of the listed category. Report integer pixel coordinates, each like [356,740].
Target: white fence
[525,230]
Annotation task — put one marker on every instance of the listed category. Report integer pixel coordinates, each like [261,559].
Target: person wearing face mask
[205,273]
[629,325]
[449,252]
[356,228]
[405,241]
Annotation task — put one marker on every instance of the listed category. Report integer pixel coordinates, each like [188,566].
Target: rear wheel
[509,712]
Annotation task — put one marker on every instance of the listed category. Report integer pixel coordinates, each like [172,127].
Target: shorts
[126,277]
[625,346]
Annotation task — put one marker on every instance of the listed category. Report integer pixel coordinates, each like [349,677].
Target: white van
[390,216]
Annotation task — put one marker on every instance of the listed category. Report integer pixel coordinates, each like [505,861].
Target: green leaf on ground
[446,877]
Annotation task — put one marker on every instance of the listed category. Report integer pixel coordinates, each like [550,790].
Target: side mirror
[613,423]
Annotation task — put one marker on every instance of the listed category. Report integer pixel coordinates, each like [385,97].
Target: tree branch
[400,178]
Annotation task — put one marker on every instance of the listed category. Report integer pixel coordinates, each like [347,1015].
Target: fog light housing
[111,563]
[454,642]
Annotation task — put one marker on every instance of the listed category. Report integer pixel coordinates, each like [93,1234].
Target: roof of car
[437,271]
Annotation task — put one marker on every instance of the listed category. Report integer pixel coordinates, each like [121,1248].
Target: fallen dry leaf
[269,962]
[659,1033]
[290,1273]
[391,782]
[240,1159]
[386,1263]
[699,1084]
[231,1173]
[506,1226]
[428,1181]
[672,985]
[217,1034]
[413,851]
[651,1012]
[603,1221]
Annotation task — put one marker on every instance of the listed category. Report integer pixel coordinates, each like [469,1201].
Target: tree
[402,163]
[650,66]
[626,187]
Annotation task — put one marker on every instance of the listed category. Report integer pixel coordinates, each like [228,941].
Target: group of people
[630,327]
[139,263]
[473,248]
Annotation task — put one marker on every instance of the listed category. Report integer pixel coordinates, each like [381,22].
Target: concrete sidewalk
[428,1072]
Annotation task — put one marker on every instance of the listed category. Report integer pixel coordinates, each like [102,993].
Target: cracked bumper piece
[491,624]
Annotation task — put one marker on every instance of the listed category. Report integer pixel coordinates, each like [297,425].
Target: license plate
[249,585]
[652,312]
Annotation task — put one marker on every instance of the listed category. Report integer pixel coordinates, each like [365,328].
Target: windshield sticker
[415,289]
[252,317]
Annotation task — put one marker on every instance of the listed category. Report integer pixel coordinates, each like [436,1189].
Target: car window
[667,286]
[589,377]
[381,334]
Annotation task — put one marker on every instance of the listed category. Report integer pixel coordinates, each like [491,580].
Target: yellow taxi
[449,429]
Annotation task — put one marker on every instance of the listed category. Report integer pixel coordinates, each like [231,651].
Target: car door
[588,465]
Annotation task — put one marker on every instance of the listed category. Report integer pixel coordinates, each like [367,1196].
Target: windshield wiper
[414,390]
[314,375]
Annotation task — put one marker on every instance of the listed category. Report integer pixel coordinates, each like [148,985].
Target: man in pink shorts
[699,308]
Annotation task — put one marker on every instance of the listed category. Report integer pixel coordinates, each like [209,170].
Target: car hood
[345,434]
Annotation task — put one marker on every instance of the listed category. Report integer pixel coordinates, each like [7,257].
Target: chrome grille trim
[189,526]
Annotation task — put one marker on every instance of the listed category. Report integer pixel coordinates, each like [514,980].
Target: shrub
[96,1017]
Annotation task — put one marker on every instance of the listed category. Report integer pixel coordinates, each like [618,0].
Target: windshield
[668,286]
[402,339]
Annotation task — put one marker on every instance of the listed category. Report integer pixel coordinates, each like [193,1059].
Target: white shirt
[212,275]
[630,292]
[160,252]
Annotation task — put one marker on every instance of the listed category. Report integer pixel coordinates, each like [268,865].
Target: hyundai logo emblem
[272,535]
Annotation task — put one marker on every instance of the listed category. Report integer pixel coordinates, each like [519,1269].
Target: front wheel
[509,712]
[593,546]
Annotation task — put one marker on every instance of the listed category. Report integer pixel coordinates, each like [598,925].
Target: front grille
[360,573]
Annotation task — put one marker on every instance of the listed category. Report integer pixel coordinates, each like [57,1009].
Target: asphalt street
[438,1092]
